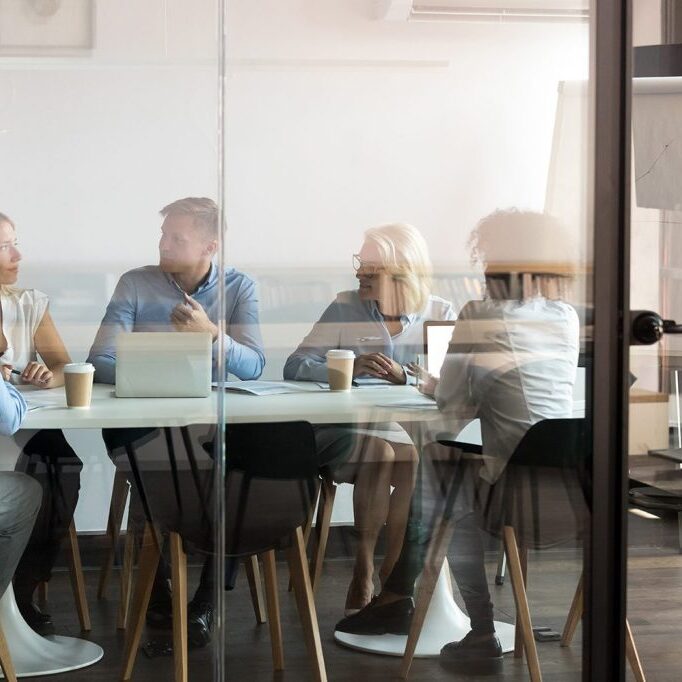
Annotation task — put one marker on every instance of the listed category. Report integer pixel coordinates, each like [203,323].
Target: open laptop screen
[437,337]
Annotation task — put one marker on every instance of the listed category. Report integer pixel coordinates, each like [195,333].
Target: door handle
[647,327]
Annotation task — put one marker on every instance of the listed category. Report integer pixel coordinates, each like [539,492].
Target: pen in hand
[18,373]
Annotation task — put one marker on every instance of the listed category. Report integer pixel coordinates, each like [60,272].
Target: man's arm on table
[243,343]
[119,317]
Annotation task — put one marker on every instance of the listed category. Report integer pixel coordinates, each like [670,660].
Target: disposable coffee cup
[340,369]
[78,378]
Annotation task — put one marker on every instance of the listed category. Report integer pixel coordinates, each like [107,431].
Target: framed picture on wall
[46,27]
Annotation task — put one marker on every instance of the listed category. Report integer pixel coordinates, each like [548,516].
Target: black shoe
[37,620]
[160,610]
[199,623]
[389,619]
[474,655]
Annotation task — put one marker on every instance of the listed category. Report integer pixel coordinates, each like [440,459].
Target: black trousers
[467,557]
[50,460]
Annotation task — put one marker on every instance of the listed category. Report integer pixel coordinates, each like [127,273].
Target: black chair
[270,487]
[122,446]
[538,502]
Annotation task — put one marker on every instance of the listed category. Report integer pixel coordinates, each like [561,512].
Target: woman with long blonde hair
[382,322]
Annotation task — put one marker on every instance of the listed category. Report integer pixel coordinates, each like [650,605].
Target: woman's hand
[37,374]
[426,383]
[6,372]
[380,366]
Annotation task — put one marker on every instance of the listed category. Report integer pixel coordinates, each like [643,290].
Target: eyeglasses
[368,267]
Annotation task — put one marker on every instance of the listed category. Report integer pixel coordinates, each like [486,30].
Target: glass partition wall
[330,266]
[408,188]
[109,195]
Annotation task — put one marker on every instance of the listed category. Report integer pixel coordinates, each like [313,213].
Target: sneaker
[475,654]
[388,619]
[199,623]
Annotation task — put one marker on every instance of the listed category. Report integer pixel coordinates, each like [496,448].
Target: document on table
[270,387]
[413,403]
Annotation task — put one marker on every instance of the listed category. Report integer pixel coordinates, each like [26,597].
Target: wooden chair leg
[306,605]
[632,655]
[126,579]
[42,593]
[6,660]
[270,572]
[119,497]
[179,577]
[574,615]
[307,529]
[77,580]
[518,634]
[149,561]
[427,583]
[522,611]
[256,588]
[324,518]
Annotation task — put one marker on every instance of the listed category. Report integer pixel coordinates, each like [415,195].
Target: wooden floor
[655,612]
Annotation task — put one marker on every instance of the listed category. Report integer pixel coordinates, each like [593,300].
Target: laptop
[163,365]
[437,337]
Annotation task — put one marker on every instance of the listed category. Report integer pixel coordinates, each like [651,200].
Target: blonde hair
[405,257]
[7,288]
[204,211]
[525,254]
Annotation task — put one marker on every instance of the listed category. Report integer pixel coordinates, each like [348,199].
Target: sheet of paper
[414,403]
[270,387]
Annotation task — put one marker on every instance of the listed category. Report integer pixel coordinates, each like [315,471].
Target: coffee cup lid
[79,368]
[340,354]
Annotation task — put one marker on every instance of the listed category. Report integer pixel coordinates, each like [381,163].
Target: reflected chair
[270,488]
[538,502]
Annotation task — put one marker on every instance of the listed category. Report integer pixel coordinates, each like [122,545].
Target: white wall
[335,122]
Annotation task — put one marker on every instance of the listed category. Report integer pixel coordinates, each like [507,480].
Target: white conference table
[34,655]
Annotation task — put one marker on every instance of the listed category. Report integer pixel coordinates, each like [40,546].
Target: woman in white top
[31,346]
[382,322]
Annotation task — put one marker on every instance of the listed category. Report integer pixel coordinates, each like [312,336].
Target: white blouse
[22,313]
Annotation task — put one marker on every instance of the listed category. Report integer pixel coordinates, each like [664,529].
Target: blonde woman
[32,353]
[382,322]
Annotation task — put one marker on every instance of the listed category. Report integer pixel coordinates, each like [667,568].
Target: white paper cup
[340,369]
[78,378]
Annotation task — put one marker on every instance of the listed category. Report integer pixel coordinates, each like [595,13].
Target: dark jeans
[467,558]
[51,461]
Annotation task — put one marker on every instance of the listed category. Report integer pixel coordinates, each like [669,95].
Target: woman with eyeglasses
[32,353]
[382,322]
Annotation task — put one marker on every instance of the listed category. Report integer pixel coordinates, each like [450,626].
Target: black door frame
[607,399]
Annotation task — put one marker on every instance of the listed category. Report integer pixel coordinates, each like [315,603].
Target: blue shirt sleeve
[12,408]
[308,362]
[243,344]
[119,317]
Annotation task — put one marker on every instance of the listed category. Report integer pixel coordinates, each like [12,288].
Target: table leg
[34,655]
[445,622]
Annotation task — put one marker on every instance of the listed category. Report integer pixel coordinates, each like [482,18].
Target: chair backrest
[553,443]
[543,490]
[270,487]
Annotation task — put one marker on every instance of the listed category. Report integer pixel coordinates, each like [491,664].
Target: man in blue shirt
[182,293]
[20,495]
